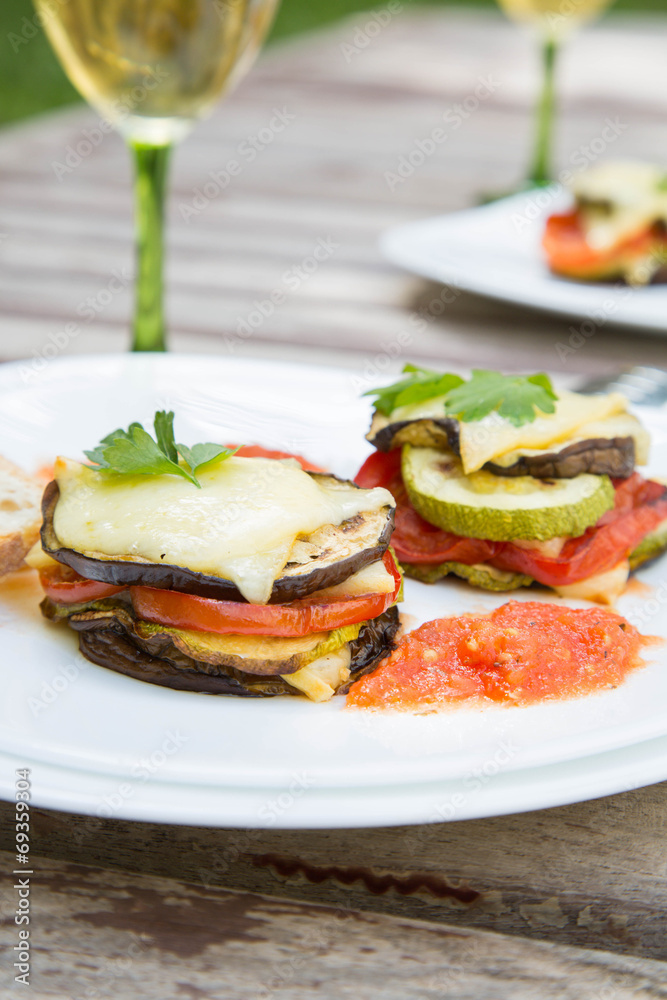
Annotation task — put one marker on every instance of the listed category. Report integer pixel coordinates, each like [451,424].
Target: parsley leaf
[201,454]
[422,383]
[96,456]
[135,452]
[515,397]
[164,432]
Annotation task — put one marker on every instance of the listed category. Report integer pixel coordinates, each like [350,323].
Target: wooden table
[577,896]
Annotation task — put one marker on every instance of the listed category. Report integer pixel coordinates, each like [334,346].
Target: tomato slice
[202,614]
[415,540]
[569,253]
[257,451]
[640,506]
[65,586]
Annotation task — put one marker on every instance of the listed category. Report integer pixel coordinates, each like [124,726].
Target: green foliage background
[31,80]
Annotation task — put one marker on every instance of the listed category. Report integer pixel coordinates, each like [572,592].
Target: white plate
[495,250]
[84,728]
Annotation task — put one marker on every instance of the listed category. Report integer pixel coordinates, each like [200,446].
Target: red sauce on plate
[523,652]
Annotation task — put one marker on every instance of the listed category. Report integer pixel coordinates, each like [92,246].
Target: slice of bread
[20,514]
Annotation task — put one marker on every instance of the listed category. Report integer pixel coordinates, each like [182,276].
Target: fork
[643,385]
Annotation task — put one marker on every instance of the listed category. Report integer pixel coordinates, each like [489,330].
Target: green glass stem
[540,171]
[151,173]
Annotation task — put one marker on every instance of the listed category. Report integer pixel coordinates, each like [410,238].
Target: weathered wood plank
[592,875]
[356,339]
[108,935]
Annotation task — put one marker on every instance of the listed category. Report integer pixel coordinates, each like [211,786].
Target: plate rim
[545,787]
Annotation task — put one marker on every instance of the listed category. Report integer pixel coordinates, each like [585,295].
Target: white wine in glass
[554,21]
[152,68]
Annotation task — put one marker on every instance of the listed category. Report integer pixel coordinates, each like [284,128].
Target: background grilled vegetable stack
[617,228]
[503,484]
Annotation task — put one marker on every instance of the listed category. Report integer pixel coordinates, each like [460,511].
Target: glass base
[488,197]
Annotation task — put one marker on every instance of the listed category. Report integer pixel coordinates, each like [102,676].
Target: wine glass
[152,68]
[554,21]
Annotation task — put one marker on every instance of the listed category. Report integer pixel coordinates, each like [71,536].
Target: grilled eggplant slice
[375,641]
[615,456]
[325,558]
[435,432]
[111,648]
[111,636]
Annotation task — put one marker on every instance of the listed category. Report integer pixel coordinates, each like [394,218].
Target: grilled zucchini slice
[483,505]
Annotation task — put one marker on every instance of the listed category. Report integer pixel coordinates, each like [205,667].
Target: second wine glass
[152,68]
[553,21]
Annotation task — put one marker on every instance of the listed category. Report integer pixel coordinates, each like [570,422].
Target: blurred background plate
[495,250]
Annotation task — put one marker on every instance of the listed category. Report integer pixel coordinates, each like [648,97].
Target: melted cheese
[241,525]
[372,579]
[483,440]
[320,679]
[40,560]
[618,200]
[605,588]
[492,437]
[621,425]
[428,409]
[621,182]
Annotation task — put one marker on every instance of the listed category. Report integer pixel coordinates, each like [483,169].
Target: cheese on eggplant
[618,200]
[619,426]
[241,525]
[372,579]
[483,440]
[489,439]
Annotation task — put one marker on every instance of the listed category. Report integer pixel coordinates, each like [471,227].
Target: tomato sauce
[521,653]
